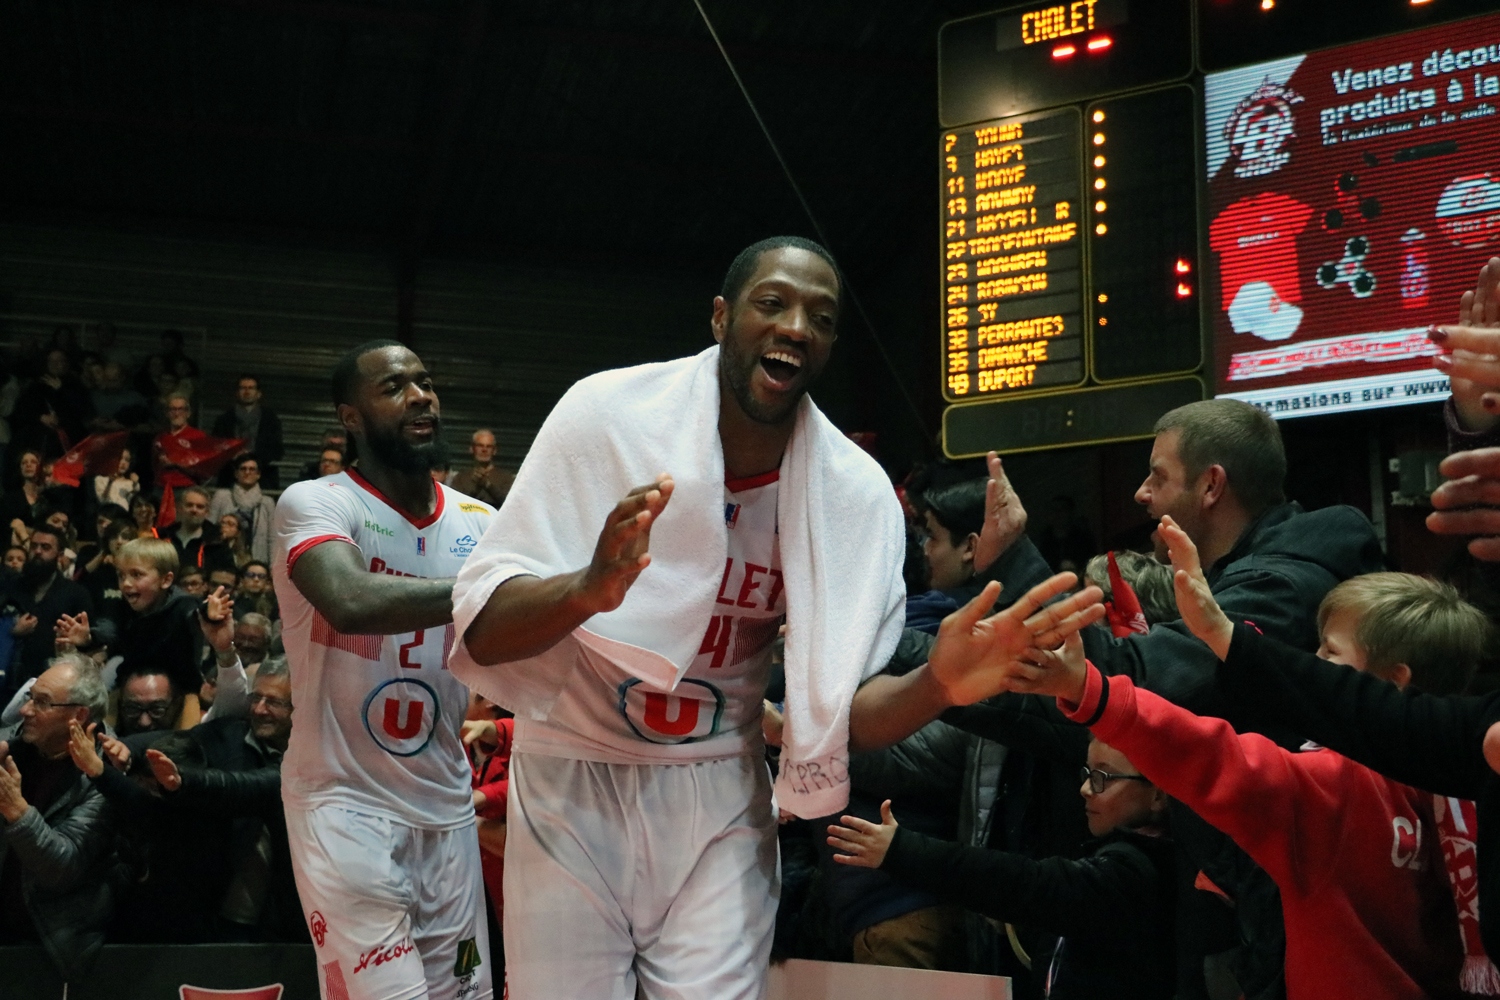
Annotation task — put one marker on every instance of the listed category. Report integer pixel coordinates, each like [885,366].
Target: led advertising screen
[1352,195]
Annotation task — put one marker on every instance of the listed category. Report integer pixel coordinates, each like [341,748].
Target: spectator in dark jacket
[242,782]
[38,599]
[55,829]
[887,921]
[1218,468]
[176,858]
[260,428]
[1113,909]
[52,414]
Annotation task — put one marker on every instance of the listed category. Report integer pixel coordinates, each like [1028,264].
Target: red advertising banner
[1353,194]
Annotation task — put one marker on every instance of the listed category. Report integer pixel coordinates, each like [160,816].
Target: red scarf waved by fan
[187,457]
[1123,609]
[95,455]
[1458,829]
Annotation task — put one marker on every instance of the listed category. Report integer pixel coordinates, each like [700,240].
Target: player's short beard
[393,450]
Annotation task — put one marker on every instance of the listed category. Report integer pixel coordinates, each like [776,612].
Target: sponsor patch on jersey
[468,958]
[691,713]
[379,529]
[463,546]
[401,715]
[474,508]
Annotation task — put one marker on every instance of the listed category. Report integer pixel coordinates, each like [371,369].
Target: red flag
[189,456]
[1124,608]
[95,455]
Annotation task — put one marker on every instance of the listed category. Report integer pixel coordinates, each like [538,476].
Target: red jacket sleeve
[493,778]
[1283,808]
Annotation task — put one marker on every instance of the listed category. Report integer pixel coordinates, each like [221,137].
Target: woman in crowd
[20,508]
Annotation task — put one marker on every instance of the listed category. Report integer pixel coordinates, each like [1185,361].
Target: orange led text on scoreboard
[1060,21]
[985,269]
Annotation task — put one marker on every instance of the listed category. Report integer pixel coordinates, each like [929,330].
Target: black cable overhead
[786,169]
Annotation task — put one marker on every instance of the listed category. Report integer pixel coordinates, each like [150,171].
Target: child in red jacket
[1357,856]
[488,740]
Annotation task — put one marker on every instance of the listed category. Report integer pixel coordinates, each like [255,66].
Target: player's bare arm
[972,659]
[335,580]
[528,615]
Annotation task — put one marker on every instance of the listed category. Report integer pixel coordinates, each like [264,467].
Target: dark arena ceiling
[604,134]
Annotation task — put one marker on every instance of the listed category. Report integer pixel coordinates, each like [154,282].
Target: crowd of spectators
[1142,813]
[147,699]
[1139,815]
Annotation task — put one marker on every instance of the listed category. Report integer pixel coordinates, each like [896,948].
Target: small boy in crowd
[1357,856]
[1113,909]
[161,629]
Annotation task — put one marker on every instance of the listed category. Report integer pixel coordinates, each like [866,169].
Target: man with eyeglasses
[55,830]
[149,703]
[245,499]
[243,780]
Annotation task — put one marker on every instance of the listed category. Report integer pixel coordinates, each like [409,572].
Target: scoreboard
[1069,233]
[1013,254]
[1083,291]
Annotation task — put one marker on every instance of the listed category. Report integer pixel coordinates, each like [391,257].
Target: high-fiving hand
[1004,517]
[623,547]
[974,657]
[1471,352]
[864,844]
[1195,601]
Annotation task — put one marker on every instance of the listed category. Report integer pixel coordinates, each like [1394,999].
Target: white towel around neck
[841,537]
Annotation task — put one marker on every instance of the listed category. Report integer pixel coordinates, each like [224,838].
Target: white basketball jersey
[376,723]
[605,714]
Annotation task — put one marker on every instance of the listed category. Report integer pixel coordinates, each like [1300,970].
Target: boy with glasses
[1112,909]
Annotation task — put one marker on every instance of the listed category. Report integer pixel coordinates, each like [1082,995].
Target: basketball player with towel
[665,523]
[375,780]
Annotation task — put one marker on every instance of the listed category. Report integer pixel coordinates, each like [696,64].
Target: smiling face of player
[778,333]
[395,417]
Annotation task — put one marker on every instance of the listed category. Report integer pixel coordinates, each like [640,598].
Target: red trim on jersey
[301,547]
[428,521]
[751,482]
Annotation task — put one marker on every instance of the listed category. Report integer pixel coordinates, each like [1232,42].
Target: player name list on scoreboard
[1011,191]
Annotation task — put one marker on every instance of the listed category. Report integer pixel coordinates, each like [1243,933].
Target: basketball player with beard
[375,779]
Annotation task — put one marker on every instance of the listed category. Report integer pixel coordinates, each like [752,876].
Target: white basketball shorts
[662,876]
[396,912]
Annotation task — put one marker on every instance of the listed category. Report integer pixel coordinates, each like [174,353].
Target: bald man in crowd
[484,480]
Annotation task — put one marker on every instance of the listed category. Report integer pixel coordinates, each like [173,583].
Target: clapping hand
[72,633]
[13,804]
[217,621]
[115,751]
[81,748]
[864,844]
[164,770]
[975,656]
[24,625]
